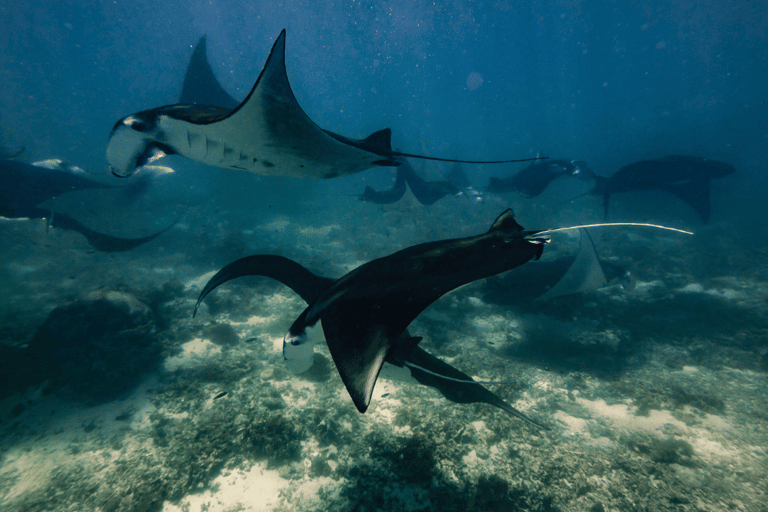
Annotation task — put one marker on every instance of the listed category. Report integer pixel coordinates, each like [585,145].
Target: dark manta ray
[268,133]
[425,192]
[532,180]
[200,84]
[389,196]
[365,314]
[687,177]
[428,192]
[24,186]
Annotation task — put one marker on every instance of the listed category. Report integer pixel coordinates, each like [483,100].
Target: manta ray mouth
[298,352]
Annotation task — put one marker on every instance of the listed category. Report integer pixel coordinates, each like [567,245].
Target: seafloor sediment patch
[220,424]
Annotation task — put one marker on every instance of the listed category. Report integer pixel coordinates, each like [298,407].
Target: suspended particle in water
[474,80]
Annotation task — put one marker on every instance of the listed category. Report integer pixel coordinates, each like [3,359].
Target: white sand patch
[494,328]
[603,443]
[383,410]
[480,427]
[255,320]
[475,302]
[254,490]
[723,293]
[525,402]
[33,471]
[318,232]
[623,416]
[692,288]
[700,437]
[307,490]
[65,434]
[647,286]
[395,374]
[709,447]
[575,425]
[193,353]
[717,423]
[279,300]
[471,459]
[489,323]
[276,344]
[278,224]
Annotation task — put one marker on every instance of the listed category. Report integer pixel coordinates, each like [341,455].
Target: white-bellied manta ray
[268,134]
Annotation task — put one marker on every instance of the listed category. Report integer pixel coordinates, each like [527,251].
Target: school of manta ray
[366,313]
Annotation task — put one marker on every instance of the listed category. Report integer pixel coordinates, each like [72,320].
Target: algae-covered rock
[97,349]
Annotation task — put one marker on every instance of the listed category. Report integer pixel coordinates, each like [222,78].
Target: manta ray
[25,188]
[365,314]
[583,272]
[425,192]
[687,177]
[389,196]
[268,133]
[534,179]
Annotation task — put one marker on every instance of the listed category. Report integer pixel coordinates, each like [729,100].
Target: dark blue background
[606,82]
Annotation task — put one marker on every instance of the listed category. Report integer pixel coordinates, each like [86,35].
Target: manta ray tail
[437,159]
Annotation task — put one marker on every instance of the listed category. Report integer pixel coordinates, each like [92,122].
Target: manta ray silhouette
[687,177]
[268,133]
[425,192]
[534,179]
[365,314]
[23,187]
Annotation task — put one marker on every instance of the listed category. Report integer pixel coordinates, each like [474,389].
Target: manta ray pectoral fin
[696,194]
[102,241]
[308,285]
[200,84]
[358,348]
[584,274]
[360,385]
